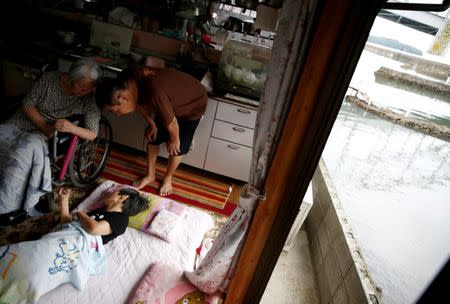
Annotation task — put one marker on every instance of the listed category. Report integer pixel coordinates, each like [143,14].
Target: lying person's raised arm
[92,226]
[63,201]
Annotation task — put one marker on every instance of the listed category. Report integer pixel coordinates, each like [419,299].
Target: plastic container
[242,67]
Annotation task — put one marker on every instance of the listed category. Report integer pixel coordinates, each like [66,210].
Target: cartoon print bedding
[67,255]
[164,284]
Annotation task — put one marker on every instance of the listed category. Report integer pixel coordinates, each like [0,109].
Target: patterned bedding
[130,255]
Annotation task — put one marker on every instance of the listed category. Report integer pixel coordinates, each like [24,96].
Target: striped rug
[188,188]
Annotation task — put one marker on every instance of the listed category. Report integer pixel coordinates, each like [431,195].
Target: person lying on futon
[24,162]
[71,253]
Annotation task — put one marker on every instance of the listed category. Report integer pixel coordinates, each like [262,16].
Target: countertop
[37,53]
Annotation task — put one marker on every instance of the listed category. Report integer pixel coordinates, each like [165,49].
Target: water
[394,183]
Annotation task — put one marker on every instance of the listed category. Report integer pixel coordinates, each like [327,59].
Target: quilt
[67,255]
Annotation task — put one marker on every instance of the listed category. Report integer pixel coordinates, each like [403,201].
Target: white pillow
[165,225]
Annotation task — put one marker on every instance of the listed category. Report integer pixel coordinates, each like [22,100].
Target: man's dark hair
[107,86]
[135,202]
[104,91]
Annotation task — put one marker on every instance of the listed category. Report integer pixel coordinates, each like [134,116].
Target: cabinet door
[228,159]
[128,129]
[196,157]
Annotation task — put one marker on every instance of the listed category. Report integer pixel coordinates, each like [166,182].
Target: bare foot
[166,187]
[143,181]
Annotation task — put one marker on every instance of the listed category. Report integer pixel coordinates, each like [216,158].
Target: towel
[164,225]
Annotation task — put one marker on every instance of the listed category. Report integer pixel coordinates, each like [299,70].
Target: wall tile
[315,217]
[343,254]
[324,289]
[332,222]
[354,287]
[324,239]
[332,271]
[341,296]
[315,182]
[315,253]
[323,197]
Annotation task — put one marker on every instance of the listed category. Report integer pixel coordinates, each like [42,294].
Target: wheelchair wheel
[89,157]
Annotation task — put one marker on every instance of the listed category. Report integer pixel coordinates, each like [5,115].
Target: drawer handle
[240,130]
[233,147]
[243,111]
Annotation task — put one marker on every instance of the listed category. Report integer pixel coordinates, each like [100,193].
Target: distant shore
[435,87]
[430,128]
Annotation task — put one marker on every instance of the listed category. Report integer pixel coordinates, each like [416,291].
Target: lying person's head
[132,201]
[83,76]
[118,95]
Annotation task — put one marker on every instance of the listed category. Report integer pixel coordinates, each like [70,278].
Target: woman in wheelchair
[24,155]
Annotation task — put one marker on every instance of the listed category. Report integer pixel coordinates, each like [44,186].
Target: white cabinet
[197,154]
[228,159]
[231,142]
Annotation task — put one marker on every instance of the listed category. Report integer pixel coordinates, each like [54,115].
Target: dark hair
[107,86]
[104,91]
[135,202]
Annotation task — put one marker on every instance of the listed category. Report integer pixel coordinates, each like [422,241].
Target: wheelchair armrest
[58,139]
[55,143]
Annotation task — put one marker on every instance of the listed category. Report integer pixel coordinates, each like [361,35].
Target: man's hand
[63,125]
[151,132]
[173,146]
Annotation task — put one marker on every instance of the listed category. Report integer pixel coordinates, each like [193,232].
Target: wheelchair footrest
[59,183]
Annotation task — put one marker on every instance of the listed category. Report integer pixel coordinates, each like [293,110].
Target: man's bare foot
[143,181]
[166,187]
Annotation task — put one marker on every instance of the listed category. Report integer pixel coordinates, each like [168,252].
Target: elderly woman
[24,161]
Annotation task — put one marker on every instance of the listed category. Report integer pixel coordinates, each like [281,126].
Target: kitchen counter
[236,100]
[116,65]
[47,52]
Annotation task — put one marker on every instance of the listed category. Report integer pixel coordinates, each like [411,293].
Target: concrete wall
[341,272]
[421,65]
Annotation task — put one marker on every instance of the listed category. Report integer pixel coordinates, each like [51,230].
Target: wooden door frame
[337,43]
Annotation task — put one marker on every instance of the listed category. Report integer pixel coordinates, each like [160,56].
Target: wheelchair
[78,161]
[73,160]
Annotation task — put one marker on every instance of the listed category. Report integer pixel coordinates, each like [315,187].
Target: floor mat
[188,188]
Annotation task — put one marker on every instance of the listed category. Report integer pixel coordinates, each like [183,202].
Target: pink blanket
[163,284]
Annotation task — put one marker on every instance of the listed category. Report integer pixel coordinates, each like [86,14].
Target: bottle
[115,50]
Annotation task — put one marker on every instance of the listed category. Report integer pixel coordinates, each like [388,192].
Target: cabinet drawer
[228,159]
[234,133]
[238,115]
